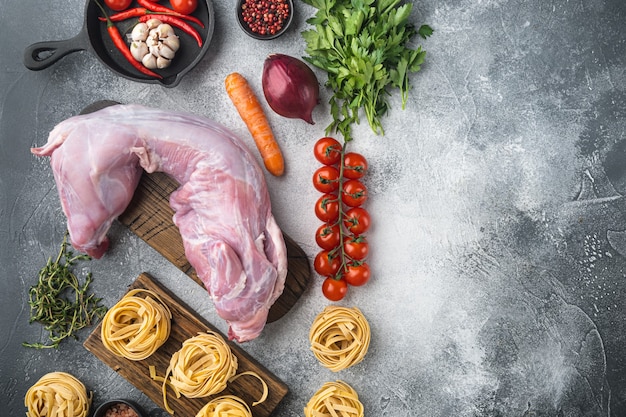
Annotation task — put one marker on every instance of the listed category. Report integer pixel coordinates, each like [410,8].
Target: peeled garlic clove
[140,32]
[138,50]
[162,62]
[149,61]
[172,42]
[166,52]
[153,23]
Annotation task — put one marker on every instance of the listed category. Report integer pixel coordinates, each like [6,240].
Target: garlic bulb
[154,43]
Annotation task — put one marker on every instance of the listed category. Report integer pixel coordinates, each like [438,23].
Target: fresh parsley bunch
[362,45]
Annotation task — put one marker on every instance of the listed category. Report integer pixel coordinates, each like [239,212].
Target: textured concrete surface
[499,242]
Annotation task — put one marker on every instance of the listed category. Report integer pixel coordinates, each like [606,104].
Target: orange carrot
[252,114]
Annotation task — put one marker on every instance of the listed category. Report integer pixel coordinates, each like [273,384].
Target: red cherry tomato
[118,5]
[357,273]
[356,247]
[354,193]
[327,236]
[326,179]
[184,6]
[354,165]
[327,208]
[357,220]
[327,150]
[334,289]
[326,263]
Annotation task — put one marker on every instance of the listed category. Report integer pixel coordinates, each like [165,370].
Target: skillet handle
[41,55]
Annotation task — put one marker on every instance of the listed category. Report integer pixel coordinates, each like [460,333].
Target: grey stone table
[499,237]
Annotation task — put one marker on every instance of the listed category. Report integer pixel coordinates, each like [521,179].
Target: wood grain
[149,216]
[185,324]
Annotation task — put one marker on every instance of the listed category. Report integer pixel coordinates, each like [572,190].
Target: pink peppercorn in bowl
[264,19]
[119,408]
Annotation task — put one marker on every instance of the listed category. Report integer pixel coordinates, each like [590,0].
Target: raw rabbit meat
[222,207]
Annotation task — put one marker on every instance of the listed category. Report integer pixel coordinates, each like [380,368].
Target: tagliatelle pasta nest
[57,394]
[136,326]
[225,406]
[334,399]
[340,337]
[203,366]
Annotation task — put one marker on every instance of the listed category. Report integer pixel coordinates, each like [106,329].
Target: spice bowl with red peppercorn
[264,19]
[119,408]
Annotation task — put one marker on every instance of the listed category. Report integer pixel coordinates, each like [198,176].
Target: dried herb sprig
[59,302]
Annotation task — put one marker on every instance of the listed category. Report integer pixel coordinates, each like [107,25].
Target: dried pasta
[263,384]
[340,337]
[57,394]
[334,399]
[202,367]
[136,326]
[225,406]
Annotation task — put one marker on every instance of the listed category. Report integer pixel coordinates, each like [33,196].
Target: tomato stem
[342,213]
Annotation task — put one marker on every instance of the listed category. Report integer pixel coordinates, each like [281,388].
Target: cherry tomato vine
[342,260]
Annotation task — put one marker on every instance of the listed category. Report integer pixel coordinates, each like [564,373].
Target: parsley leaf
[425,31]
[362,45]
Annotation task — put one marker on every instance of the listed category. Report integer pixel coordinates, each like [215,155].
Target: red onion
[290,87]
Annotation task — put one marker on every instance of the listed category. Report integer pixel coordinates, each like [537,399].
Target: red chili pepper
[159,8]
[127,14]
[177,22]
[119,43]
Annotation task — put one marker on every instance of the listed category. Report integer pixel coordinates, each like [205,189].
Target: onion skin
[290,87]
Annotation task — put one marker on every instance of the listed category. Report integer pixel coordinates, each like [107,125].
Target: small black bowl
[102,409]
[256,35]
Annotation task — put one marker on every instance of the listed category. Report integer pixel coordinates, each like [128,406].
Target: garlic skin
[166,52]
[153,23]
[162,62]
[164,30]
[140,32]
[139,49]
[172,42]
[149,61]
[154,43]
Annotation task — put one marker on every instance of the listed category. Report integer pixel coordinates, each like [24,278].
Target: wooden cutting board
[185,324]
[149,216]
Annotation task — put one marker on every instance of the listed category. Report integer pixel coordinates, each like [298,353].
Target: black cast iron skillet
[94,37]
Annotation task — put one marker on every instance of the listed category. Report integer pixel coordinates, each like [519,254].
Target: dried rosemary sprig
[59,302]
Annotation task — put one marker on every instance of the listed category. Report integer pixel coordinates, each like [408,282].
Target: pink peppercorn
[120,410]
[265,17]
